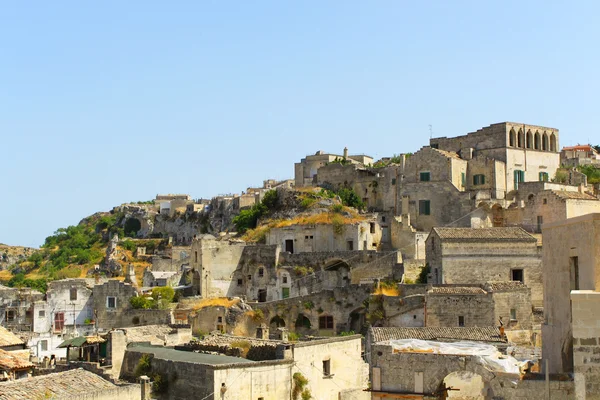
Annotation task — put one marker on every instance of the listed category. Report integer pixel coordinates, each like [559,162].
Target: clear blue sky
[118,101]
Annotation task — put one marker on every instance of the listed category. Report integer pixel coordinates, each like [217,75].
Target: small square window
[393,181]
[285,279]
[545,201]
[219,319]
[73,294]
[513,314]
[42,314]
[261,272]
[372,227]
[249,277]
[425,176]
[311,236]
[44,345]
[516,275]
[383,218]
[461,320]
[424,207]
[111,302]
[240,282]
[326,322]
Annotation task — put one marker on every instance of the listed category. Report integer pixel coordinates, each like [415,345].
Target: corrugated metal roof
[485,234]
[476,334]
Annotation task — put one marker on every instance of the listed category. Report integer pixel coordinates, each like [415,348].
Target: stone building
[574,156]
[570,331]
[366,235]
[323,363]
[16,307]
[169,204]
[306,169]
[67,312]
[479,305]
[477,256]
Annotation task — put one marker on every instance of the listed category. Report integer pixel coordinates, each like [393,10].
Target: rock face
[11,255]
[111,263]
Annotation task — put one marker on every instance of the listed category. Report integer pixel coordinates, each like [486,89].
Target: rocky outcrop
[11,255]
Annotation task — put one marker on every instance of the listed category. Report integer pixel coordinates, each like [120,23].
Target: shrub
[165,293]
[350,198]
[144,365]
[337,222]
[307,202]
[422,278]
[293,336]
[337,208]
[141,302]
[309,305]
[300,382]
[128,245]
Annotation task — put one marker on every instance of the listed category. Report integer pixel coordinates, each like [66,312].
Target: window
[240,281]
[10,315]
[73,294]
[44,345]
[261,272]
[479,179]
[350,245]
[111,302]
[540,222]
[513,314]
[311,236]
[425,176]
[326,322]
[516,275]
[219,319]
[393,181]
[59,321]
[424,207]
[42,314]
[262,295]
[372,227]
[383,218]
[543,177]
[574,272]
[285,292]
[519,177]
[463,179]
[284,279]
[461,320]
[195,256]
[249,277]
[326,368]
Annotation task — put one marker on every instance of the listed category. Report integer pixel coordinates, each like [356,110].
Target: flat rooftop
[169,353]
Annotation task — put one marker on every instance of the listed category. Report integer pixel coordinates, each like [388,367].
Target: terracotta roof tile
[563,194]
[7,338]
[480,334]
[485,234]
[456,290]
[69,384]
[504,286]
[10,360]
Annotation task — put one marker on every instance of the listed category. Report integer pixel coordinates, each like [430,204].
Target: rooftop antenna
[430,131]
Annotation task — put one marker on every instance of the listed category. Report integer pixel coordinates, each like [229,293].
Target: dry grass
[317,219]
[5,275]
[215,302]
[387,291]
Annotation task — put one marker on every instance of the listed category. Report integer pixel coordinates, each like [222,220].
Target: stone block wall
[586,343]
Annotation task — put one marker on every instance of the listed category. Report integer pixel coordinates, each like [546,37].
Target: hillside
[75,251]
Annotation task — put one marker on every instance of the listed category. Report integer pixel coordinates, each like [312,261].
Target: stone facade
[571,259]
[306,169]
[477,256]
[365,235]
[585,309]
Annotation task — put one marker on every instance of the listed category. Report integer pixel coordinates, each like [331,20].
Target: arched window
[521,139]
[553,142]
[512,138]
[529,140]
[536,141]
[545,142]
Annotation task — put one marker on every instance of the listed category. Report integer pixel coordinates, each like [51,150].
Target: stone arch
[302,324]
[531,197]
[512,138]
[276,322]
[521,139]
[132,226]
[553,145]
[357,320]
[465,385]
[529,141]
[536,140]
[545,142]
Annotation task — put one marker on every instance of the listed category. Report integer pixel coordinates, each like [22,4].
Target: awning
[80,341]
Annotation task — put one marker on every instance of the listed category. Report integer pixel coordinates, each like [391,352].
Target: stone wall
[586,343]
[420,373]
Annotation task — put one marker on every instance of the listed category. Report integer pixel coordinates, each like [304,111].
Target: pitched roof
[68,384]
[504,286]
[579,147]
[456,290]
[80,341]
[484,234]
[563,194]
[10,360]
[7,338]
[477,334]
